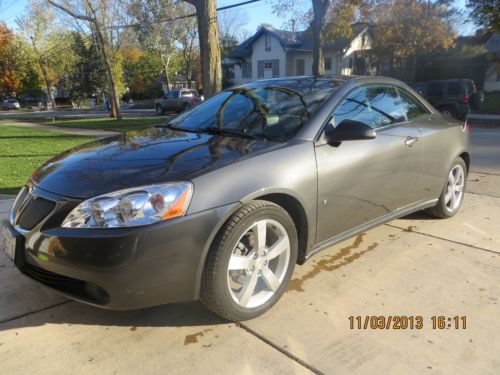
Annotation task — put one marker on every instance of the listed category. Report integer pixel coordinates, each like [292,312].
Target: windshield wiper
[169,126]
[229,131]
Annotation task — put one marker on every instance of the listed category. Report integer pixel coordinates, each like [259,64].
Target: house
[272,53]
[492,75]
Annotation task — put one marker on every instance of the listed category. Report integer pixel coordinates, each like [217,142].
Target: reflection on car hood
[138,158]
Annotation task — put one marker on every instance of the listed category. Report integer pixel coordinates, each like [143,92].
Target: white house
[272,53]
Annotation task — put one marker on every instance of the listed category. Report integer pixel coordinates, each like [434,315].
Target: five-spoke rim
[258,263]
[454,188]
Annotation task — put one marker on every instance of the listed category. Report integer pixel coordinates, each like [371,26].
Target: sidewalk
[74,131]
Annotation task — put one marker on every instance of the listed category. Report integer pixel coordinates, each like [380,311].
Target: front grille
[74,287]
[33,212]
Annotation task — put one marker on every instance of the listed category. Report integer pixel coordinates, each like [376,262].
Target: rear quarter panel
[444,140]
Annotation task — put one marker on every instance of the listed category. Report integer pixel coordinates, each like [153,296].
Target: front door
[359,181]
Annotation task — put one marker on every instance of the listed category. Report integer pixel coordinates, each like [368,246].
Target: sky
[258,13]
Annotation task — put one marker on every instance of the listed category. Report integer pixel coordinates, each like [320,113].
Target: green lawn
[125,124]
[22,150]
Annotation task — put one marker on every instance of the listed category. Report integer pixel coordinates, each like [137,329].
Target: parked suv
[454,97]
[177,100]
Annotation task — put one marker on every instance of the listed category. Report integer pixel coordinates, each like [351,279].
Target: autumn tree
[9,83]
[18,66]
[37,24]
[99,16]
[420,27]
[208,34]
[486,13]
[188,39]
[231,29]
[158,28]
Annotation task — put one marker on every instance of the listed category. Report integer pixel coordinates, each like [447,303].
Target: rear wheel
[250,262]
[159,110]
[448,111]
[453,193]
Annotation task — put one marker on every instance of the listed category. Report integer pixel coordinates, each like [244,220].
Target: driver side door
[363,180]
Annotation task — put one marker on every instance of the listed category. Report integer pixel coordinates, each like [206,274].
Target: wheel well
[466,157]
[298,215]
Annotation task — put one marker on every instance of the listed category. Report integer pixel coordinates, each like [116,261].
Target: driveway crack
[444,239]
[293,357]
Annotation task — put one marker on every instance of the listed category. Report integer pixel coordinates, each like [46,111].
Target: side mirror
[348,130]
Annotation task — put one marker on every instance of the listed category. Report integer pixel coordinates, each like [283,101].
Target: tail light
[465,99]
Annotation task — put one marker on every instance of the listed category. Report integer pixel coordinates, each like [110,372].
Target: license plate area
[12,243]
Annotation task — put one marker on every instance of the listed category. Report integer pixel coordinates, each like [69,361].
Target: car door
[172,100]
[362,180]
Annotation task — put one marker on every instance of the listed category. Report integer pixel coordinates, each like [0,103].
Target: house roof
[299,40]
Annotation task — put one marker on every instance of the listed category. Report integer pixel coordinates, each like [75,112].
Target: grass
[23,150]
[124,124]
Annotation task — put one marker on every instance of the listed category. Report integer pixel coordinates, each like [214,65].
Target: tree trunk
[318,24]
[166,64]
[50,94]
[45,75]
[113,93]
[208,32]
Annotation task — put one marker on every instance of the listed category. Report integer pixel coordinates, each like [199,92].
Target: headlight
[132,207]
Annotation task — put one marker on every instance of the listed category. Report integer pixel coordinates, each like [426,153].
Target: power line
[184,16]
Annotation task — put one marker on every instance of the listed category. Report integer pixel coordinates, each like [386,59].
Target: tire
[222,290]
[445,208]
[159,110]
[449,111]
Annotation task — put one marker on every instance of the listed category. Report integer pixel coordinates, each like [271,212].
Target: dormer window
[267,39]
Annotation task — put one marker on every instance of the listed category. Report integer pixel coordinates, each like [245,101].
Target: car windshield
[273,110]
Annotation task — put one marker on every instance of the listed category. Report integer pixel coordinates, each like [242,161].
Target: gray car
[222,202]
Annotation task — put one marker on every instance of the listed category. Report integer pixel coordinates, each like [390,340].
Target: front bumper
[119,268]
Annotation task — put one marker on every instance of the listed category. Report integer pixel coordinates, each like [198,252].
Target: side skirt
[370,224]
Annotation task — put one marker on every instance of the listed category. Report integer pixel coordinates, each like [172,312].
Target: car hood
[139,158]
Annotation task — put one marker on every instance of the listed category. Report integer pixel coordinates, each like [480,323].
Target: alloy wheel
[454,188]
[258,263]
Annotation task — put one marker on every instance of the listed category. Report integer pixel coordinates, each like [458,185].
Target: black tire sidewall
[269,212]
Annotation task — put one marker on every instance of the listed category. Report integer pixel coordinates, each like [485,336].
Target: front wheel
[250,262]
[452,195]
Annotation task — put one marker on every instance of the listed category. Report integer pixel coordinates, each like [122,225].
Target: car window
[435,89]
[175,94]
[188,93]
[376,106]
[453,88]
[413,108]
[271,109]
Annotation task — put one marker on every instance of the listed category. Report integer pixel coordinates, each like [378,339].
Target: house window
[267,39]
[300,67]
[246,70]
[328,63]
[263,65]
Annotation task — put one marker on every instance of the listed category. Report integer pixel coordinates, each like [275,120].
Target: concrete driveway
[412,266]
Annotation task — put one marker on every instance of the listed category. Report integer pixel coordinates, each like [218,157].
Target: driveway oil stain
[192,339]
[328,263]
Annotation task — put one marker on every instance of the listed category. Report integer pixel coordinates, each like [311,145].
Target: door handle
[409,141]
